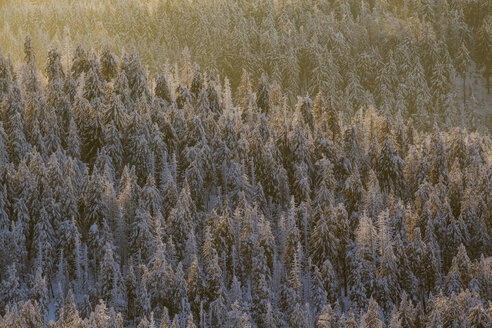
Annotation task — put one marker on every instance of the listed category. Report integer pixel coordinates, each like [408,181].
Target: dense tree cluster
[408,55]
[128,201]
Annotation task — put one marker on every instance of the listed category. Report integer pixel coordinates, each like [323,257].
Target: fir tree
[181,218]
[263,95]
[109,64]
[462,64]
[69,316]
[162,89]
[371,319]
[110,279]
[80,62]
[143,298]
[131,292]
[12,290]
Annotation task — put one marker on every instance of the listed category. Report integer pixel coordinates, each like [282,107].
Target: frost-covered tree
[462,64]
[110,279]
[176,198]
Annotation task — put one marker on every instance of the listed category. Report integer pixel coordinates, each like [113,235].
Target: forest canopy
[122,203]
[408,56]
[152,177]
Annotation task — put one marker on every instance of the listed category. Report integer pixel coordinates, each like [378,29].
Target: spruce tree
[263,95]
[462,64]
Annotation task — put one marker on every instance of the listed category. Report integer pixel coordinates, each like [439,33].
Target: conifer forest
[245,163]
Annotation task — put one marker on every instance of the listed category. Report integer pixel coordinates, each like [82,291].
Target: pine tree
[295,294]
[131,292]
[350,322]
[477,317]
[175,323]
[189,322]
[407,313]
[236,318]
[390,169]
[323,239]
[462,64]
[109,64]
[298,317]
[214,279]
[162,89]
[371,319]
[4,155]
[100,317]
[165,322]
[319,296]
[39,292]
[358,292]
[137,81]
[12,291]
[213,97]
[110,279]
[261,293]
[161,276]
[263,95]
[86,307]
[29,315]
[440,90]
[150,197]
[59,301]
[92,135]
[387,279]
[330,281]
[93,86]
[44,234]
[195,285]
[17,139]
[141,239]
[484,45]
[80,62]
[69,316]
[73,140]
[224,240]
[143,298]
[30,78]
[327,318]
[395,321]
[181,219]
[144,323]
[306,109]
[116,113]
[179,289]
